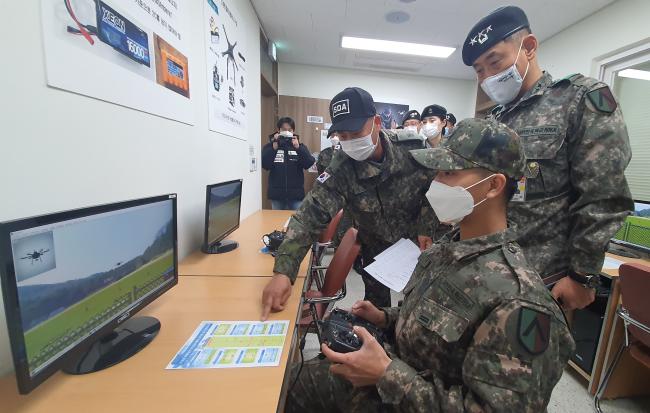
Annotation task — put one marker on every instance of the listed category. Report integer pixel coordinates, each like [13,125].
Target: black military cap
[451,118]
[492,29]
[411,114]
[434,110]
[350,110]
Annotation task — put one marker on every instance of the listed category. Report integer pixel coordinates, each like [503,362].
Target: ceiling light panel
[389,46]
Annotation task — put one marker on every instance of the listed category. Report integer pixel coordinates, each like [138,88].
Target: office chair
[332,287]
[325,239]
[635,313]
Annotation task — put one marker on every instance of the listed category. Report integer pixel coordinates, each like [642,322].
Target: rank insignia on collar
[533,330]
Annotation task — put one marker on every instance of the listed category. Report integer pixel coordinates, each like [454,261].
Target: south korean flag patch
[323,177]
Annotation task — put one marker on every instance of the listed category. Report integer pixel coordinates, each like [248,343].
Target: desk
[141,383]
[246,260]
[630,378]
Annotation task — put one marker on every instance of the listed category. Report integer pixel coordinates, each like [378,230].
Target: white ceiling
[309,31]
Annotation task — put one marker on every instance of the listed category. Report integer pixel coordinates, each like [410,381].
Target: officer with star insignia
[574,195]
[375,179]
[477,331]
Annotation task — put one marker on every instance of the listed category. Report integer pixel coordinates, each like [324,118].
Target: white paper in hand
[395,265]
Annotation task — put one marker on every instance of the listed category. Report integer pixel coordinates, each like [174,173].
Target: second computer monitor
[223,205]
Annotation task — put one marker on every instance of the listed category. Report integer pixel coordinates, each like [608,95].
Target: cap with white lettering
[350,110]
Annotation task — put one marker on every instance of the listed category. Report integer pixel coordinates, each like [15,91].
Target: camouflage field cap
[477,143]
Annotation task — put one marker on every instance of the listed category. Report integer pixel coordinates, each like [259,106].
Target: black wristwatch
[587,281]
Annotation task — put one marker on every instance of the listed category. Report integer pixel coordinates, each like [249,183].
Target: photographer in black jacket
[286,158]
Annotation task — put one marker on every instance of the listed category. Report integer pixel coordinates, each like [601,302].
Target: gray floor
[570,394]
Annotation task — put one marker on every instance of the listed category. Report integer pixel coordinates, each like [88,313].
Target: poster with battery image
[133,53]
[226,56]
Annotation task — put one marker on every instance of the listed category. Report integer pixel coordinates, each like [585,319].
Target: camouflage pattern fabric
[477,331]
[325,158]
[386,201]
[577,149]
[477,143]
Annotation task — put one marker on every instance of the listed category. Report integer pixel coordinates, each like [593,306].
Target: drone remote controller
[337,331]
[348,319]
[339,338]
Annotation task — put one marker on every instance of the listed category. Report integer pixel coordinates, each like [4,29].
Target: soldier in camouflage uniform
[376,180]
[325,156]
[324,160]
[477,331]
[574,196]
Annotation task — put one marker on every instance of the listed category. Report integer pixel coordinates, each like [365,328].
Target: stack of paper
[394,266]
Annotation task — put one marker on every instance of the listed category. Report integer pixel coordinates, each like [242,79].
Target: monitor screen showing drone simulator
[633,239]
[72,280]
[223,204]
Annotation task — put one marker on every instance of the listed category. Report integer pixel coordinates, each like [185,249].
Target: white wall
[573,50]
[61,150]
[458,96]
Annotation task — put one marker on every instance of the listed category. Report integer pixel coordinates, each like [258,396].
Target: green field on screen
[638,231]
[223,218]
[50,337]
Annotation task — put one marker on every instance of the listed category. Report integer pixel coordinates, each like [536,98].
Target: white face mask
[431,130]
[360,149]
[411,128]
[286,133]
[504,87]
[334,140]
[452,203]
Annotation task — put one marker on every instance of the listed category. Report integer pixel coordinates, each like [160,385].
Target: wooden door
[299,108]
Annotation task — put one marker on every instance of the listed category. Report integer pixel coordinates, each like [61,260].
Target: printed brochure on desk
[229,344]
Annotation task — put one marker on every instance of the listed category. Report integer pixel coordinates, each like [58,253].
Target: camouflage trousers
[317,390]
[375,292]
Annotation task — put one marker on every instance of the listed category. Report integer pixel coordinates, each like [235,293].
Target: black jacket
[286,178]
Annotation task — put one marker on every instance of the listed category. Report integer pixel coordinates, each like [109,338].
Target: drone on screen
[35,256]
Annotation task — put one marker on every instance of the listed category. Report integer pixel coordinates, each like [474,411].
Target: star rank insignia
[481,37]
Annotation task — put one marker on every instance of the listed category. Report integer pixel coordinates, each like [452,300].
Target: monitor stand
[120,344]
[221,247]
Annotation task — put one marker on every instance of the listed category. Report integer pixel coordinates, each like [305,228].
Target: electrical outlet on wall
[253,160]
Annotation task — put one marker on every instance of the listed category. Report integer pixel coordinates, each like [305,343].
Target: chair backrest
[328,233]
[635,285]
[341,263]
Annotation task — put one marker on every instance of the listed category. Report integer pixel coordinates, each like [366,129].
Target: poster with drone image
[132,53]
[226,56]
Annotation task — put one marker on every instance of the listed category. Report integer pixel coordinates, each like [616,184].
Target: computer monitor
[633,239]
[72,280]
[222,209]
